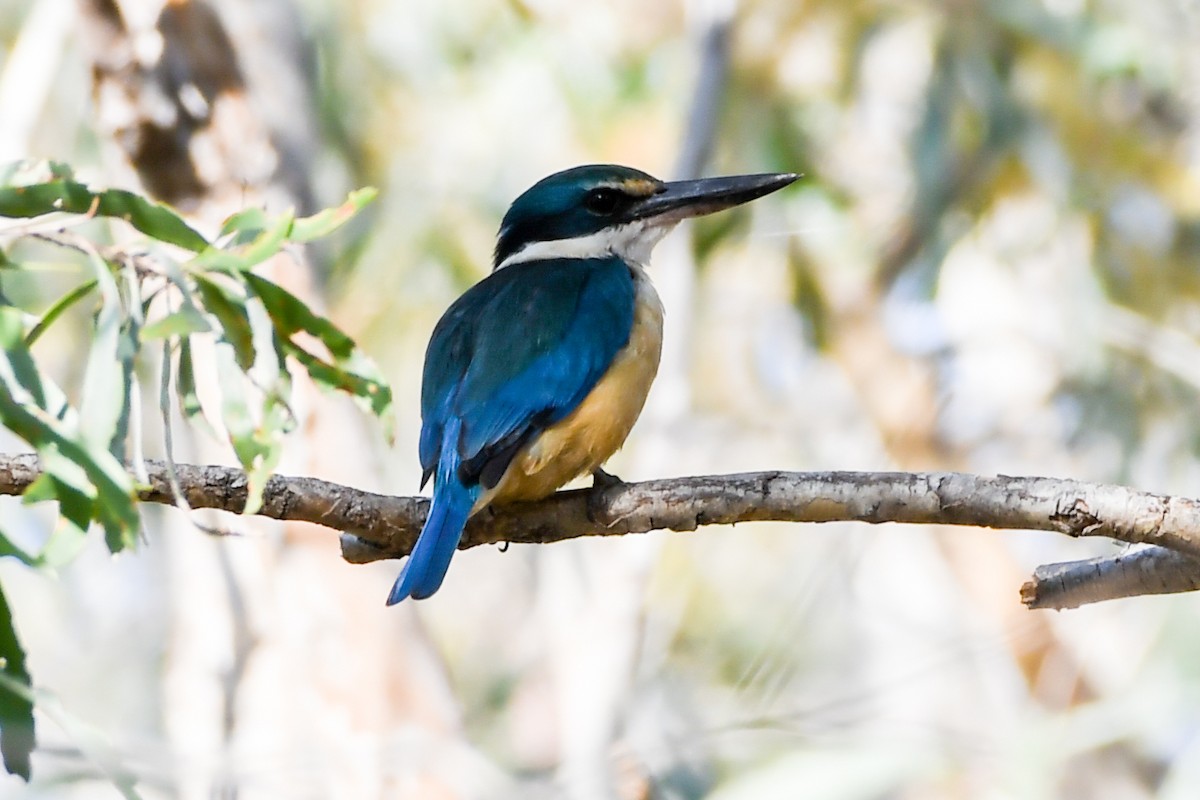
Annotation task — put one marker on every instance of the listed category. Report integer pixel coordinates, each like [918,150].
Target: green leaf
[127,349]
[17,737]
[267,243]
[325,222]
[230,311]
[257,445]
[235,410]
[156,221]
[375,395]
[243,258]
[9,548]
[185,389]
[258,238]
[291,315]
[184,322]
[351,371]
[276,424]
[65,543]
[66,483]
[55,311]
[113,505]
[20,361]
[26,171]
[249,221]
[107,375]
[84,477]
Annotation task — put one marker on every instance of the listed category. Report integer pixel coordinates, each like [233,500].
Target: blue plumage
[556,207]
[453,501]
[515,354]
[525,347]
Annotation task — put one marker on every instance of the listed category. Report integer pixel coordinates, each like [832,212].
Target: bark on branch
[378,526]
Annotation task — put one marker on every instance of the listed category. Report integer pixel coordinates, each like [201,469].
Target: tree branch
[379,526]
[1151,570]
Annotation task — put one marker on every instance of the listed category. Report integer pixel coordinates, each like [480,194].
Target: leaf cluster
[173,290]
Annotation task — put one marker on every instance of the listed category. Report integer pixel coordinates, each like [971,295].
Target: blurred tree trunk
[900,391]
[279,651]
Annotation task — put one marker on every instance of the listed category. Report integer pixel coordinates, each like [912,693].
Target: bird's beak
[680,200]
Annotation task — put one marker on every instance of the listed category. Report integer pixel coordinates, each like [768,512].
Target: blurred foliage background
[989,266]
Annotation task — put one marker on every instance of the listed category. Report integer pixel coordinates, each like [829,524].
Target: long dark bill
[683,199]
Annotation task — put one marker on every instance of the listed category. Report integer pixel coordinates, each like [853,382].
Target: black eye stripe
[603,201]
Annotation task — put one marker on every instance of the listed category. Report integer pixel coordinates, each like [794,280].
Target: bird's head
[605,209]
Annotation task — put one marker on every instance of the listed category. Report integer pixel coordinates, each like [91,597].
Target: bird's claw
[604,480]
[601,482]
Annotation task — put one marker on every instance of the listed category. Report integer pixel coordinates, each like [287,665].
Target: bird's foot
[601,482]
[489,511]
[604,480]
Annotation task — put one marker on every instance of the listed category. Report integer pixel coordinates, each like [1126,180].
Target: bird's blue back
[518,352]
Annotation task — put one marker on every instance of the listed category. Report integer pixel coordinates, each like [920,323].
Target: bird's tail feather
[426,567]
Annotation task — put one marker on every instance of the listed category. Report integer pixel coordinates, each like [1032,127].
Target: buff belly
[597,428]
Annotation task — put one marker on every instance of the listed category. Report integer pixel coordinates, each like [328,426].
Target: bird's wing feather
[446,360]
[517,353]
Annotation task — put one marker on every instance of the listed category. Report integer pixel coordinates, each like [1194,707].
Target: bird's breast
[597,428]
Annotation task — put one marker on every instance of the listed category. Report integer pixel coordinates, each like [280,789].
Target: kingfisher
[537,373]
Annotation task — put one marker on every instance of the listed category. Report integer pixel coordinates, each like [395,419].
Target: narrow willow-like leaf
[351,371]
[326,222]
[66,541]
[276,422]
[114,503]
[250,220]
[156,221]
[105,384]
[257,444]
[373,395]
[51,314]
[267,243]
[128,345]
[184,322]
[24,371]
[80,471]
[230,311]
[67,484]
[25,171]
[17,737]
[258,237]
[291,315]
[10,549]
[241,259]
[185,389]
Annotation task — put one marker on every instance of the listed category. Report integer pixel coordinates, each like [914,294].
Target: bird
[538,372]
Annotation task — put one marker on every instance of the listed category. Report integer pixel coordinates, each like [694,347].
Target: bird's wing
[446,360]
[517,353]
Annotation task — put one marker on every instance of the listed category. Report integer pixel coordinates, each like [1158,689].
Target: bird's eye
[603,201]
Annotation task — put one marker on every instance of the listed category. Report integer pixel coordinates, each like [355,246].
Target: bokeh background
[991,265]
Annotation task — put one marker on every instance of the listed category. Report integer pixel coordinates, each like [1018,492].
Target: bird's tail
[426,567]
